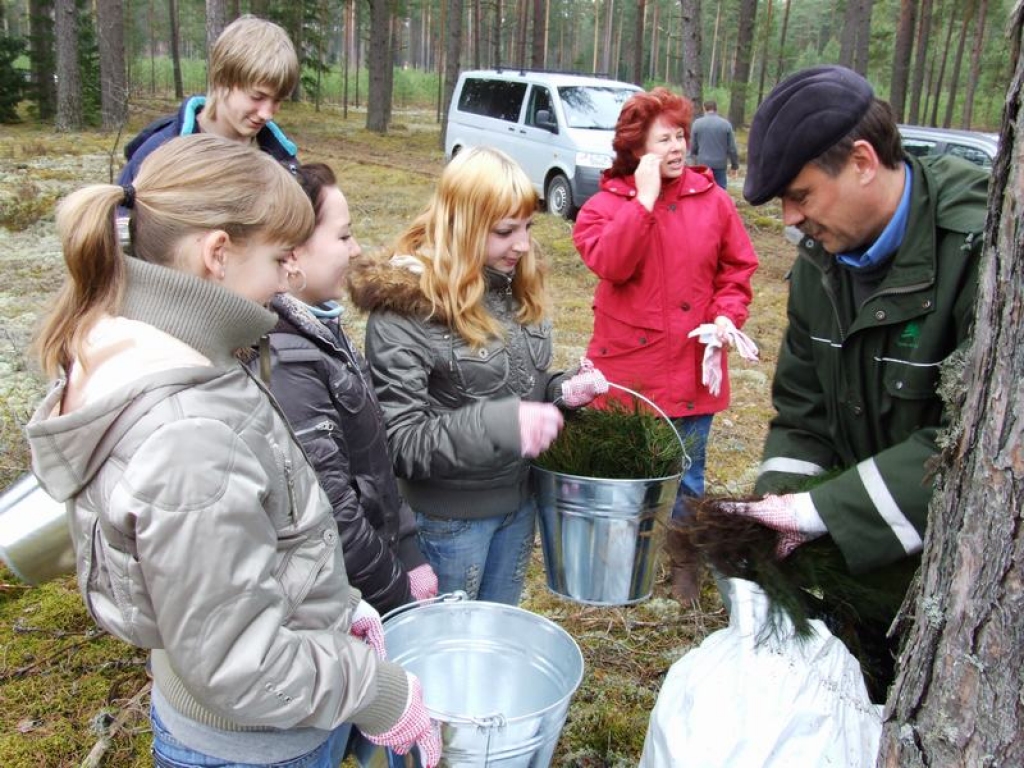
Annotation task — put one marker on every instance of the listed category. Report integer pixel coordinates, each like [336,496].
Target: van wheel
[559,197]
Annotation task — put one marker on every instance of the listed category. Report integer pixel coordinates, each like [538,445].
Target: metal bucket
[601,537]
[34,539]
[498,678]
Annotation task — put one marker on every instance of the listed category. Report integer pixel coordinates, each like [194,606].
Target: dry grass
[60,681]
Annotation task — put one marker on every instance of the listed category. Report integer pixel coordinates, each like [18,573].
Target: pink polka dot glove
[423,582]
[792,515]
[539,424]
[366,625]
[584,386]
[413,729]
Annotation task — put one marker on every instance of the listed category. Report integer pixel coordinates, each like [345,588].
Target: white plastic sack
[781,703]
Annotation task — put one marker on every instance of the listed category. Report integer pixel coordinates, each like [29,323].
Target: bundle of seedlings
[617,442]
[813,582]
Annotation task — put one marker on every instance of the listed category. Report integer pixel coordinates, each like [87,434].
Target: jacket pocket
[538,342]
[480,372]
[614,338]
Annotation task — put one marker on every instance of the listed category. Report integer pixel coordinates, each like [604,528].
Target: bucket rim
[497,719]
[616,480]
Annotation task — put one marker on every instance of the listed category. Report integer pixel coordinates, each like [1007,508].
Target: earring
[296,271]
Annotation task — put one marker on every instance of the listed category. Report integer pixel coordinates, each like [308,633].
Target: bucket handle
[686,460]
[458,596]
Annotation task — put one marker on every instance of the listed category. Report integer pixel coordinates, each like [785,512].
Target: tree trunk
[741,70]
[216,20]
[381,71]
[975,73]
[782,42]
[924,32]
[956,700]
[691,75]
[954,79]
[41,57]
[942,69]
[113,84]
[638,43]
[497,34]
[901,56]
[452,60]
[848,36]
[862,49]
[537,50]
[765,44]
[609,24]
[172,11]
[477,26]
[69,81]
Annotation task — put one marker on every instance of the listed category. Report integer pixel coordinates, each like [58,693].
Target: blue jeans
[721,177]
[694,430]
[486,557]
[168,752]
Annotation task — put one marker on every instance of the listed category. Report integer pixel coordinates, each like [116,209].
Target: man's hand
[792,515]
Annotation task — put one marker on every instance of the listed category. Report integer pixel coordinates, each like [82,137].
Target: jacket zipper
[323,426]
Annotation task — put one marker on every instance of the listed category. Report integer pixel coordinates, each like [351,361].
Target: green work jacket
[856,387]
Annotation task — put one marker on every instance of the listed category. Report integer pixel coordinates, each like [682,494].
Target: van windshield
[596,107]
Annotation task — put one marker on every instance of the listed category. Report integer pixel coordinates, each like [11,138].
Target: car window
[493,98]
[540,99]
[973,154]
[919,147]
[589,106]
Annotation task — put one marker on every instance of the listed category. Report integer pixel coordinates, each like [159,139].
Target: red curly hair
[635,120]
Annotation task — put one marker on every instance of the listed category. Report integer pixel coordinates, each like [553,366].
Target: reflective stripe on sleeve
[887,507]
[790,467]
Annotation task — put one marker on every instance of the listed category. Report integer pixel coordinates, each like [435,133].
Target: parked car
[557,126]
[979,148]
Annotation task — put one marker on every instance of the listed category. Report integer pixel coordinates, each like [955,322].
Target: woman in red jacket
[672,255]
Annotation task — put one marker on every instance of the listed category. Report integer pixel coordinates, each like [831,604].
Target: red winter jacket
[663,273]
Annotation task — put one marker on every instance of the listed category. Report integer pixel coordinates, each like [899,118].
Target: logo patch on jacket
[910,336]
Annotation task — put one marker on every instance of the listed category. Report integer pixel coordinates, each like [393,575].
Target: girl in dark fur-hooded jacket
[323,385]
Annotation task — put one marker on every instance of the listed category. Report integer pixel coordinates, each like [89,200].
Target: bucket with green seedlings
[605,489]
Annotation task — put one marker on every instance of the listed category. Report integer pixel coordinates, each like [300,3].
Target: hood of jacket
[694,180]
[376,283]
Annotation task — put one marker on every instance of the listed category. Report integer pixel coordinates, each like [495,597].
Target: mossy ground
[61,680]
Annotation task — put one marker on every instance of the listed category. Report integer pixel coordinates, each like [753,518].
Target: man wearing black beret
[882,292]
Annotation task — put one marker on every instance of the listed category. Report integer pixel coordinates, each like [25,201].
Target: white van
[558,126]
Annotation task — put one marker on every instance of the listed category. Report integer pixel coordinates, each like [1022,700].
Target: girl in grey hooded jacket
[199,528]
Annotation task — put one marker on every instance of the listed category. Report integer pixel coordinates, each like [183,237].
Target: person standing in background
[713,143]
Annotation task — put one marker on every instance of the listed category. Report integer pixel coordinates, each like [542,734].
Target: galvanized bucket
[498,678]
[601,537]
[34,539]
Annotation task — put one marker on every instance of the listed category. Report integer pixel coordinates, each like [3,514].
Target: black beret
[802,117]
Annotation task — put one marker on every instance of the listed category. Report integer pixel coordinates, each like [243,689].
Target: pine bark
[975,71]
[216,20]
[691,76]
[113,80]
[956,700]
[901,56]
[175,26]
[41,57]
[453,60]
[924,31]
[381,71]
[69,80]
[741,69]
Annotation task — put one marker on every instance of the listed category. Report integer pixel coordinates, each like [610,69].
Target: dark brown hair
[314,178]
[877,128]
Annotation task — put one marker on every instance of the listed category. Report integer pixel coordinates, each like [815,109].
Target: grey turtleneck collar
[210,319]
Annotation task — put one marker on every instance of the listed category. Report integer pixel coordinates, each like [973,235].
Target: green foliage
[12,79]
[614,442]
[88,63]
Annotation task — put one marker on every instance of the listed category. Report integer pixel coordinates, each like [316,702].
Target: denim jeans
[721,177]
[168,752]
[694,430]
[486,557]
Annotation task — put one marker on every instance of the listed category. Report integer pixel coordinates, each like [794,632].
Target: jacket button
[898,385]
[330,536]
[672,207]
[856,409]
[643,339]
[880,314]
[685,306]
[689,406]
[926,304]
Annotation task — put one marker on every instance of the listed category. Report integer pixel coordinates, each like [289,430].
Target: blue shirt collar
[891,238]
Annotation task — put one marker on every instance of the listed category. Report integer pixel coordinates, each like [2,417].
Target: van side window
[493,98]
[540,100]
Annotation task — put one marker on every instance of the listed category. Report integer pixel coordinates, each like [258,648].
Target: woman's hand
[648,180]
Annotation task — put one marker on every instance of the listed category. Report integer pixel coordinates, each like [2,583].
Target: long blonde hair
[190,184]
[477,189]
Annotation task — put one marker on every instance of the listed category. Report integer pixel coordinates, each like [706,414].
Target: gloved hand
[713,336]
[584,386]
[792,515]
[366,625]
[422,582]
[413,729]
[539,424]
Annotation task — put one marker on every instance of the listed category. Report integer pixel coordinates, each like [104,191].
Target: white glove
[792,515]
[539,425]
[413,729]
[366,625]
[587,383]
[713,336]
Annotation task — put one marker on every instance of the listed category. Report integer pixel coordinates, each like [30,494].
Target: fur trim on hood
[376,283]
